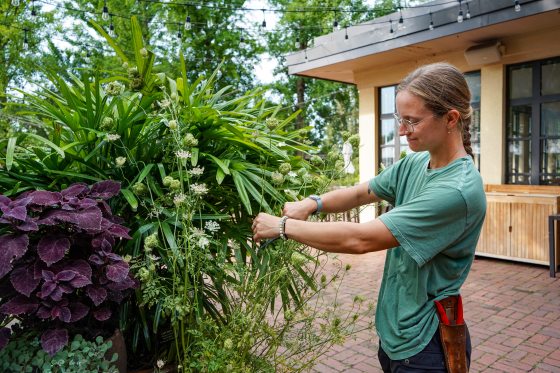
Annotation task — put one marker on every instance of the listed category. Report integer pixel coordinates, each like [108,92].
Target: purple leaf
[12,247]
[103,241]
[4,201]
[79,311]
[105,189]
[47,289]
[5,334]
[23,281]
[74,190]
[80,281]
[96,259]
[119,231]
[54,340]
[65,275]
[87,202]
[43,312]
[28,226]
[52,248]
[105,208]
[88,219]
[81,267]
[18,213]
[45,198]
[127,283]
[102,314]
[117,272]
[61,312]
[96,294]
[18,305]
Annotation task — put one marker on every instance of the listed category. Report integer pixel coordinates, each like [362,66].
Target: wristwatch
[317,199]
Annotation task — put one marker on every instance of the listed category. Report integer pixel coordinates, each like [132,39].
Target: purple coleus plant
[58,270]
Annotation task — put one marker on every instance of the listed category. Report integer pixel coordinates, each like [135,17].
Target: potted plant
[59,275]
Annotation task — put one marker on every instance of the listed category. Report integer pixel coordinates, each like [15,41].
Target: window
[473,80]
[390,144]
[533,123]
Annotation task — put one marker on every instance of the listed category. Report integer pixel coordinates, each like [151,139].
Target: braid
[467,138]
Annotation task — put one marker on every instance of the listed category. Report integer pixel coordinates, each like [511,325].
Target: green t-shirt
[437,219]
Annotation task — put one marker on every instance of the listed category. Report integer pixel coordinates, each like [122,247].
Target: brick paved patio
[512,309]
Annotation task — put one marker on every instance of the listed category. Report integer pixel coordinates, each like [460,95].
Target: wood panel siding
[516,225]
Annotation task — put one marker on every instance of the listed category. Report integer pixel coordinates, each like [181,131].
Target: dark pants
[430,359]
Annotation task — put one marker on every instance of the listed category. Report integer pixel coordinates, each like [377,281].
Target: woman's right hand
[299,210]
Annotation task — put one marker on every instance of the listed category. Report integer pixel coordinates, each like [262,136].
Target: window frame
[536,138]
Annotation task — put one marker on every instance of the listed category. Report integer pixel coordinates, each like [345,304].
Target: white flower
[212,226]
[172,124]
[203,242]
[120,161]
[197,171]
[292,174]
[181,154]
[179,199]
[160,363]
[197,232]
[199,189]
[233,244]
[112,137]
[164,103]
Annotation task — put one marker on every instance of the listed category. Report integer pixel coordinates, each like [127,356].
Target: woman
[432,231]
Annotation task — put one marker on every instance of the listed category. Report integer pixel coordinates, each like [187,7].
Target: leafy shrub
[196,165]
[57,265]
[24,354]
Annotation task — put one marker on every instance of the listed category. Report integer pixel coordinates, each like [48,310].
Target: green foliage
[196,162]
[24,354]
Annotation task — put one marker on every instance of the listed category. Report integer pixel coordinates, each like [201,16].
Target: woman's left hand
[266,226]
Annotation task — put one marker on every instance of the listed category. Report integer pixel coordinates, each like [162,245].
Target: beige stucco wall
[520,48]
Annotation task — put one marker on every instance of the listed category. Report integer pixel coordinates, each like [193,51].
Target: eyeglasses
[409,125]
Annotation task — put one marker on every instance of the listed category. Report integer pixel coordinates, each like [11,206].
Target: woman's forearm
[341,200]
[341,237]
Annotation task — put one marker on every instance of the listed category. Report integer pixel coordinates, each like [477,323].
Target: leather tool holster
[453,333]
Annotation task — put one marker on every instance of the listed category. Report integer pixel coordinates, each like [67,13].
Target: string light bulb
[263,25]
[33,11]
[460,16]
[297,43]
[105,14]
[15,2]
[25,41]
[517,6]
[188,24]
[335,22]
[112,28]
[179,35]
[431,27]
[346,33]
[242,43]
[401,20]
[468,15]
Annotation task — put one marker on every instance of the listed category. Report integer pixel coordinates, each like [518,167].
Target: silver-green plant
[24,354]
